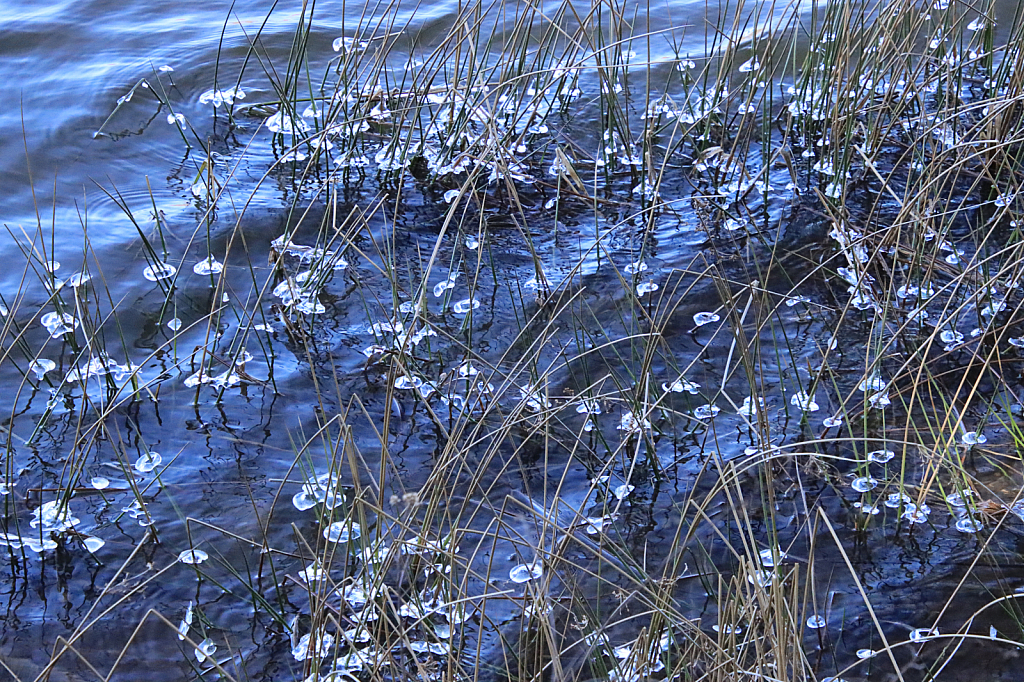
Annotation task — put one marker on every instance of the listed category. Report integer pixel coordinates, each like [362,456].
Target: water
[226,451]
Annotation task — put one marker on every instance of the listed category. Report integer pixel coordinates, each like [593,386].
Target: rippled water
[63,69]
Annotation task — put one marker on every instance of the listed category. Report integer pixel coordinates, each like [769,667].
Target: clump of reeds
[826,367]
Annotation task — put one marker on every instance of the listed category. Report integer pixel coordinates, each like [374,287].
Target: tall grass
[647,460]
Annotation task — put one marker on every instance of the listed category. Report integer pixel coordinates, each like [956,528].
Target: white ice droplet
[313,573]
[283,124]
[219,97]
[701,319]
[750,407]
[596,524]
[894,500]
[644,288]
[445,285]
[815,622]
[623,491]
[59,324]
[864,484]
[93,543]
[526,572]
[347,43]
[916,514]
[973,438]
[871,509]
[923,634]
[681,385]
[342,531]
[208,266]
[205,651]
[147,462]
[404,382]
[969,525]
[769,557]
[306,648]
[881,456]
[464,306]
[41,366]
[708,411]
[879,400]
[193,556]
[467,369]
[957,499]
[159,271]
[186,622]
[804,401]
[78,279]
[99,482]
[872,384]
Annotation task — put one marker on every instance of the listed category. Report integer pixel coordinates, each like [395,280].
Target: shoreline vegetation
[712,361]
